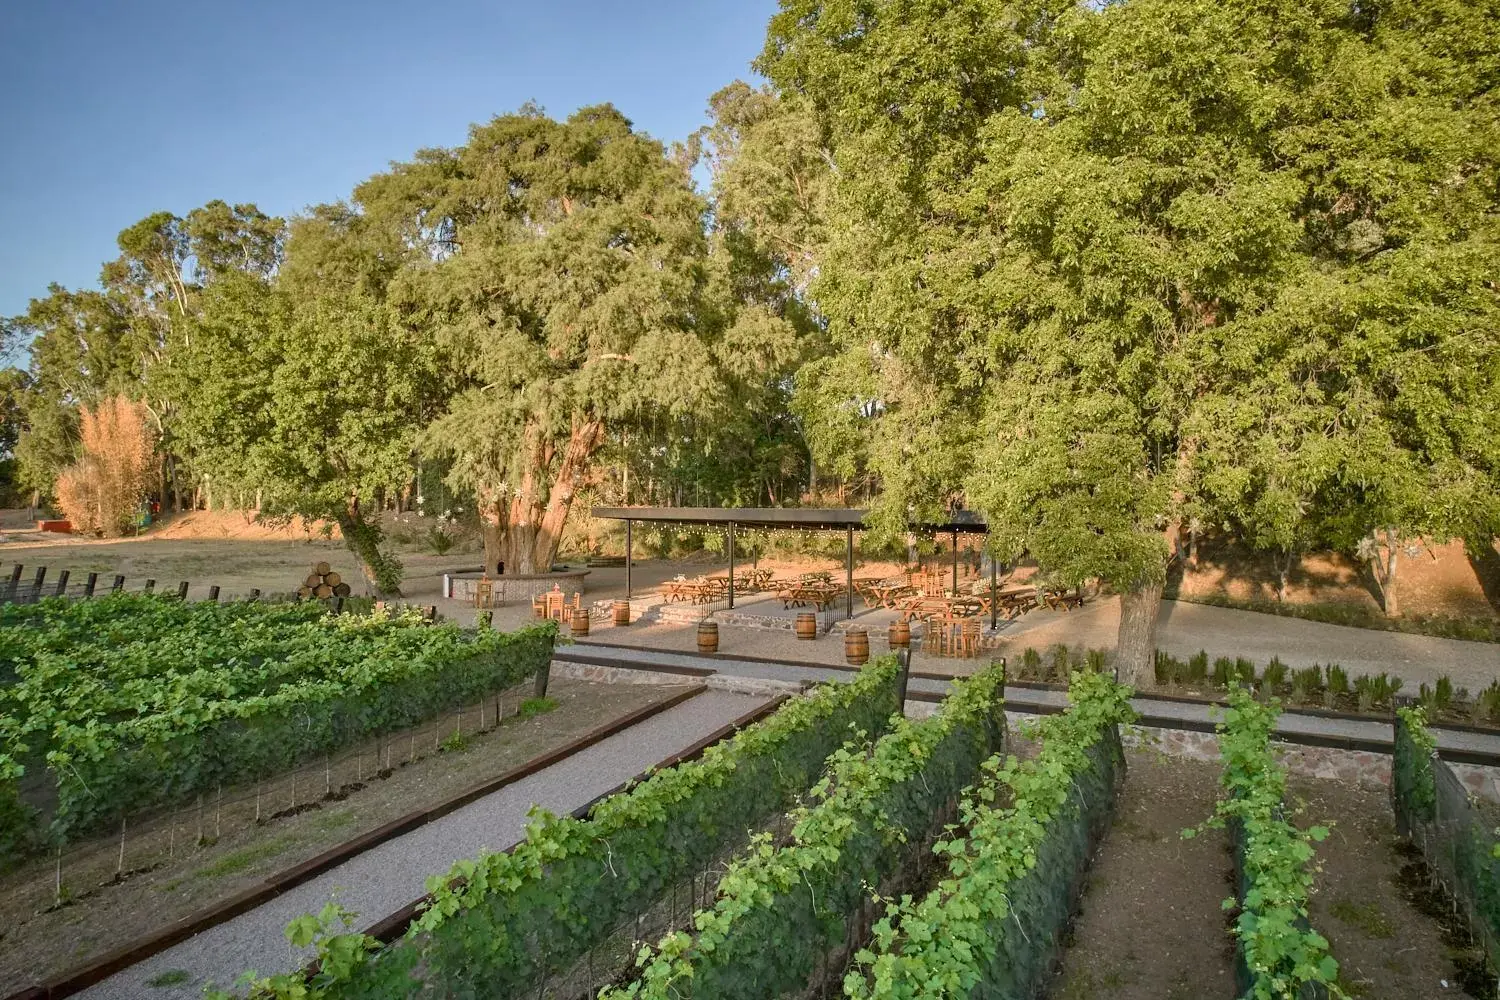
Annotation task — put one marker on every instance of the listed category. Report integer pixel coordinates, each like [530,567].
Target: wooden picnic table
[887,595]
[924,608]
[819,595]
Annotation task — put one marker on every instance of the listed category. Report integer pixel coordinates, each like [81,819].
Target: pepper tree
[1102,268]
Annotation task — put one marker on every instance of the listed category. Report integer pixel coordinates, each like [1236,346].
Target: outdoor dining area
[944,604]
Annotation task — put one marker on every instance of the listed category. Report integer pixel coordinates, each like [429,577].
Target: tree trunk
[534,529]
[1284,561]
[363,540]
[492,528]
[1135,646]
[1388,584]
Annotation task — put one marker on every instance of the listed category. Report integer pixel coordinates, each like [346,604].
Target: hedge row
[779,911]
[502,923]
[1433,810]
[1278,954]
[991,927]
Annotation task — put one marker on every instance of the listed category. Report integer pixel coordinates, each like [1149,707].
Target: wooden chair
[941,636]
[539,605]
[968,637]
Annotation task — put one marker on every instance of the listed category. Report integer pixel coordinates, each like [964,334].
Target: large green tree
[564,268]
[307,390]
[1106,267]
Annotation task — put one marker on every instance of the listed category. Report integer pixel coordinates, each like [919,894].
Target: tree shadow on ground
[1255,572]
[1486,566]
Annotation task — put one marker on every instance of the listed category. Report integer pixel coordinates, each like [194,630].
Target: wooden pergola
[845,519]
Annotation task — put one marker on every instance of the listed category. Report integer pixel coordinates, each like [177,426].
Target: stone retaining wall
[768,687]
[1360,766]
[510,588]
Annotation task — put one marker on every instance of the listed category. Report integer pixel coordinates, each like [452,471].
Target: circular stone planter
[511,587]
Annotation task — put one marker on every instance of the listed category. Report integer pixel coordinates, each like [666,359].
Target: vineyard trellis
[131,703]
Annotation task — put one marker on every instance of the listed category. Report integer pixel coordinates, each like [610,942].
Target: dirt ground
[1387,949]
[37,941]
[233,550]
[1151,926]
[1440,579]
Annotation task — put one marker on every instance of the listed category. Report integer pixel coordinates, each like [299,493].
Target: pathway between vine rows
[393,874]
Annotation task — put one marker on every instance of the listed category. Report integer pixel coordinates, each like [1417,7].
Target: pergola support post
[849,572]
[628,524]
[994,592]
[731,565]
[955,562]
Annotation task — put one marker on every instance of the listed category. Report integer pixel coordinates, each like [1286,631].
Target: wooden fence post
[88,586]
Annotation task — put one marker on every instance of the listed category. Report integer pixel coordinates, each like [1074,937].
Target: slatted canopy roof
[801,518]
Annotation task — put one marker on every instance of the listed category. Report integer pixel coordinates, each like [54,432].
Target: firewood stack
[323,582]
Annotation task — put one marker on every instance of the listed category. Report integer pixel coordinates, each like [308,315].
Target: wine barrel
[313,580]
[581,622]
[333,579]
[323,590]
[857,647]
[899,635]
[342,590]
[622,612]
[322,569]
[807,625]
[708,637]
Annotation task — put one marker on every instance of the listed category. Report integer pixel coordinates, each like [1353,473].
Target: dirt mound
[239,526]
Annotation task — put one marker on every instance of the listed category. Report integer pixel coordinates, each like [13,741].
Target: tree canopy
[1104,272]
[1108,267]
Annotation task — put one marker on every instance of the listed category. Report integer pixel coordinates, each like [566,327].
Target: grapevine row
[990,927]
[781,910]
[156,708]
[502,923]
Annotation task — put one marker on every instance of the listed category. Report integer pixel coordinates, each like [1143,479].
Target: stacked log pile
[323,582]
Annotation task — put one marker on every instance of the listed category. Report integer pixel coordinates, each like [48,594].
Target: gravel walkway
[389,876]
[1185,628]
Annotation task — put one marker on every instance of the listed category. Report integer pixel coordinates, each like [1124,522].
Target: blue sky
[113,109]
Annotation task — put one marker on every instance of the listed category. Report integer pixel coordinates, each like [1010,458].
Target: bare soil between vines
[1151,925]
[40,942]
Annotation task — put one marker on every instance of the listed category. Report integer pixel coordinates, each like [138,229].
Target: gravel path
[1151,926]
[393,874]
[1185,628]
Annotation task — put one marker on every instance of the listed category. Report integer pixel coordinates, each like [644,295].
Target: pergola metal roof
[805,518]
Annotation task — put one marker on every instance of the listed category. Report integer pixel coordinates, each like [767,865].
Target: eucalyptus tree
[1106,267]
